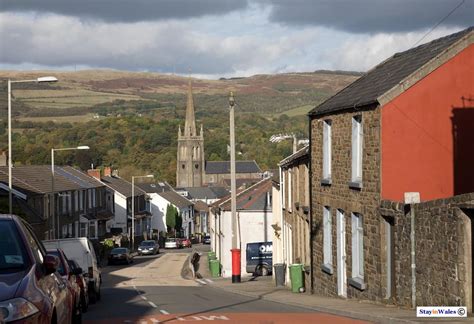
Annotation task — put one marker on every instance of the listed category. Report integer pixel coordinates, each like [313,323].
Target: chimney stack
[95,173]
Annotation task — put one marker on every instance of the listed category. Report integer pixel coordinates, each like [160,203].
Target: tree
[170,217]
[179,221]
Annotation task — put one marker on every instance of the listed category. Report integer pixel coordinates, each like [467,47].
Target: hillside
[105,92]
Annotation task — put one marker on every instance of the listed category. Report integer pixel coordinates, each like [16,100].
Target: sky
[220,38]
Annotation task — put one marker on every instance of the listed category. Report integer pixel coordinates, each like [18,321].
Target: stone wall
[443,254]
[338,195]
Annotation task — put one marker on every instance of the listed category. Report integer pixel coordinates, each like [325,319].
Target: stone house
[254,216]
[79,201]
[295,210]
[400,128]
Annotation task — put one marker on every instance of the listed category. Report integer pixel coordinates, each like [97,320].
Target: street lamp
[133,206]
[53,209]
[233,200]
[10,188]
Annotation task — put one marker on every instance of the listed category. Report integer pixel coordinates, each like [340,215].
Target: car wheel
[262,271]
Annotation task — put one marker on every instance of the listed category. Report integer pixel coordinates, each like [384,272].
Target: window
[81,200]
[64,230]
[83,230]
[76,200]
[357,139]
[327,151]
[89,191]
[63,196]
[92,229]
[290,188]
[69,202]
[93,198]
[357,247]
[327,239]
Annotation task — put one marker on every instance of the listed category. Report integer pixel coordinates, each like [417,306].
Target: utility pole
[233,196]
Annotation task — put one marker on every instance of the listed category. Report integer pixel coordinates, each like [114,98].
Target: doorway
[341,254]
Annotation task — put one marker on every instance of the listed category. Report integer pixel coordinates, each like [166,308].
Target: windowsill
[327,268]
[357,283]
[326,182]
[355,185]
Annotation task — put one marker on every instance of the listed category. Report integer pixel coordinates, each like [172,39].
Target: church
[192,170]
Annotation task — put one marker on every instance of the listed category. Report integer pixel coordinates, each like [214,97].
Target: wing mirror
[77,271]
[51,263]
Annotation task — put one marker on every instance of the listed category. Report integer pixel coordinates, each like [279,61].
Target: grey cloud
[371,16]
[127,11]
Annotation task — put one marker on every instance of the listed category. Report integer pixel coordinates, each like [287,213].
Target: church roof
[223,167]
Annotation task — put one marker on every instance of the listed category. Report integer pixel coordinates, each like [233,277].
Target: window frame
[357,233]
[327,265]
[357,142]
[327,152]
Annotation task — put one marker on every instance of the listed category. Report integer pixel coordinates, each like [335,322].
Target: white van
[81,250]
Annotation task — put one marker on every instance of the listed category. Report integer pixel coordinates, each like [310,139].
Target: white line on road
[152,304]
[162,311]
[209,281]
[202,282]
[143,297]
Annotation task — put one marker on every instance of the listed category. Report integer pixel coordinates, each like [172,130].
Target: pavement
[264,288]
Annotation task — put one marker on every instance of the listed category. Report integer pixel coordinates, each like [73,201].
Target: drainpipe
[413,261]
[311,237]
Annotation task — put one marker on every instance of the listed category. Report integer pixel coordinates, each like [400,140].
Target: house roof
[176,199]
[302,154]
[252,198]
[122,186]
[206,192]
[223,167]
[154,187]
[366,90]
[37,179]
[200,206]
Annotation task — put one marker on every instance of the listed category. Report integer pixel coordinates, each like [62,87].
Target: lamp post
[10,187]
[133,206]
[233,200]
[53,208]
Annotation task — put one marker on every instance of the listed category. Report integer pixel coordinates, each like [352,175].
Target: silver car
[171,243]
[148,247]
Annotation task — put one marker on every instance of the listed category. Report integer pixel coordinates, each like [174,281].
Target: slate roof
[223,167]
[206,192]
[176,199]
[302,154]
[154,187]
[365,90]
[252,198]
[36,179]
[122,186]
[200,206]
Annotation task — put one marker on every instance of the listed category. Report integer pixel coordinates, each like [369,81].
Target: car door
[52,285]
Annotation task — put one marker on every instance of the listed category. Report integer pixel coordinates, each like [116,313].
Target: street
[152,290]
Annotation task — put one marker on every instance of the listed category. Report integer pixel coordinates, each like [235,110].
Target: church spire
[189,124]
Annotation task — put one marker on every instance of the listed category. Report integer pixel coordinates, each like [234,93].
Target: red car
[82,282]
[70,278]
[31,290]
[185,243]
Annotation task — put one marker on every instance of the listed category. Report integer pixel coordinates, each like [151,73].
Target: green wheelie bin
[296,276]
[214,266]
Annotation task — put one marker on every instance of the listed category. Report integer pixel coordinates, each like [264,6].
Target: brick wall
[339,195]
[442,251]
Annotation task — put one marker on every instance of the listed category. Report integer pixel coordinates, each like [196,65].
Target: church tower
[190,161]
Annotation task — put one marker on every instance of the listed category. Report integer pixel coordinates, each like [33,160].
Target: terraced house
[403,130]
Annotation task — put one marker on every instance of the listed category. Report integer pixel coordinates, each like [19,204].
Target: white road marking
[209,281]
[202,282]
[143,297]
[162,311]
[154,320]
[152,304]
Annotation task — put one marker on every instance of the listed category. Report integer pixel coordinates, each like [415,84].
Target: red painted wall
[428,134]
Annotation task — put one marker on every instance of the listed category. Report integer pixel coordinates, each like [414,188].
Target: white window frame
[357,247]
[357,144]
[289,189]
[327,152]
[327,238]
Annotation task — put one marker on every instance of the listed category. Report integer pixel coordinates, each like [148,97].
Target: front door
[341,254]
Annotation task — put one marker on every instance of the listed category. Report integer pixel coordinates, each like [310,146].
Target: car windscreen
[119,251]
[147,243]
[13,255]
[61,270]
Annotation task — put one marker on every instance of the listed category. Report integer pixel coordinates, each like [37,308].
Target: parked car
[82,282]
[81,250]
[148,247]
[185,243]
[206,239]
[120,255]
[171,243]
[70,278]
[259,258]
[27,275]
